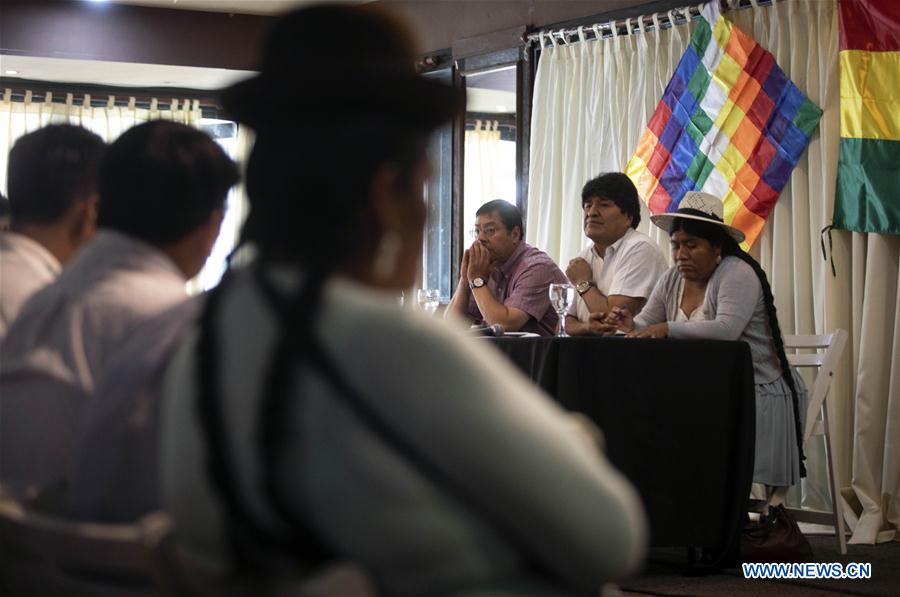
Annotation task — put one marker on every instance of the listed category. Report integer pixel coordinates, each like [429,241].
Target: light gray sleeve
[737,293]
[518,453]
[655,309]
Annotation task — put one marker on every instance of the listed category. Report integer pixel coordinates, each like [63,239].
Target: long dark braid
[718,236]
[732,248]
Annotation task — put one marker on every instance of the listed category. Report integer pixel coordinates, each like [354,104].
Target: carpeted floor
[663,575]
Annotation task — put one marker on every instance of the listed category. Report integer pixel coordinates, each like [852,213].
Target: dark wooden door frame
[471,56]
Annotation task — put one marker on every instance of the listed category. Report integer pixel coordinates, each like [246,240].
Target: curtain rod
[8,94]
[94,101]
[19,87]
[645,23]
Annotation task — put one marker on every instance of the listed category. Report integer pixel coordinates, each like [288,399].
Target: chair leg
[837,502]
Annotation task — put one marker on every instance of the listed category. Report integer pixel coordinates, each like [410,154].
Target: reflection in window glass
[490,170]
[224,132]
[490,140]
[437,249]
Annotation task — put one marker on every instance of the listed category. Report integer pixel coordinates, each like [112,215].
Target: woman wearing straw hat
[312,419]
[716,290]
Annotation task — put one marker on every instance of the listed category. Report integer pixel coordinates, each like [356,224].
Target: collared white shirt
[113,476]
[26,266]
[630,267]
[62,340]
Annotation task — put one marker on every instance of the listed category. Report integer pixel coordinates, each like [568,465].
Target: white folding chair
[831,347]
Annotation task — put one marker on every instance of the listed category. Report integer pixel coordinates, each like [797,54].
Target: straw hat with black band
[700,206]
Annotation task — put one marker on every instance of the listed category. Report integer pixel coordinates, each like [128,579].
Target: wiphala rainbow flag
[730,123]
[868,187]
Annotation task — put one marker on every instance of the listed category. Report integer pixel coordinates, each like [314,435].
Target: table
[679,419]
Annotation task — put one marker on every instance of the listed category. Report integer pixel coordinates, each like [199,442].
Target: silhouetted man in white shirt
[163,188]
[52,187]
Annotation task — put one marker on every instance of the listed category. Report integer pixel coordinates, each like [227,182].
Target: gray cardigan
[734,309]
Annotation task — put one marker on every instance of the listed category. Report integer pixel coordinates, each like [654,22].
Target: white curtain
[108,122]
[482,161]
[592,101]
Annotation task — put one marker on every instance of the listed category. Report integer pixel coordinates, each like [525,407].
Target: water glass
[561,298]
[429,299]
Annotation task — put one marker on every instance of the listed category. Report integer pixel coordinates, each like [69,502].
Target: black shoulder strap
[298,344]
[307,347]
[245,532]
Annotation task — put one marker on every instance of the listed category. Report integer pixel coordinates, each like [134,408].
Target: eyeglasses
[487,231]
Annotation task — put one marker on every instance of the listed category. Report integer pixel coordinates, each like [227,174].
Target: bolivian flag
[868,186]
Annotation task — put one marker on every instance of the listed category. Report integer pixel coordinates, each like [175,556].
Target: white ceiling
[490,100]
[119,74]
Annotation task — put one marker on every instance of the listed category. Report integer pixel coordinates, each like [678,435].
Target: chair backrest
[832,346]
[42,554]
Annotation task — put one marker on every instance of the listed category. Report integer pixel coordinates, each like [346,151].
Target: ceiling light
[10,71]
[501,108]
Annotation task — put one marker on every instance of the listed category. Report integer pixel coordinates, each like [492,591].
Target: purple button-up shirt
[523,281]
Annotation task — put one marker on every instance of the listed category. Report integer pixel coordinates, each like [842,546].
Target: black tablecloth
[678,417]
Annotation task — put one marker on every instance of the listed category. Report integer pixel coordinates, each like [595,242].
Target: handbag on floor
[775,538]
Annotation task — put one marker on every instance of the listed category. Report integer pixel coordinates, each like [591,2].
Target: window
[438,249]
[490,140]
[236,145]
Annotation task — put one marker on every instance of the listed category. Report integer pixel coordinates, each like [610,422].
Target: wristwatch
[583,287]
[476,283]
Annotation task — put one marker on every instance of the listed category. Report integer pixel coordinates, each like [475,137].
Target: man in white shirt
[162,197]
[52,186]
[622,265]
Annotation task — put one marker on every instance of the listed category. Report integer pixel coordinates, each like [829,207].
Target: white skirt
[777,457]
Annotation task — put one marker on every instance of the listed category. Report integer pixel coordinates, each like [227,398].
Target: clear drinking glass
[429,299]
[561,297]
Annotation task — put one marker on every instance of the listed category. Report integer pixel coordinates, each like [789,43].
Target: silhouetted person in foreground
[312,419]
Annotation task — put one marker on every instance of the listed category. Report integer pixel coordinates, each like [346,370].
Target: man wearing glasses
[504,280]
